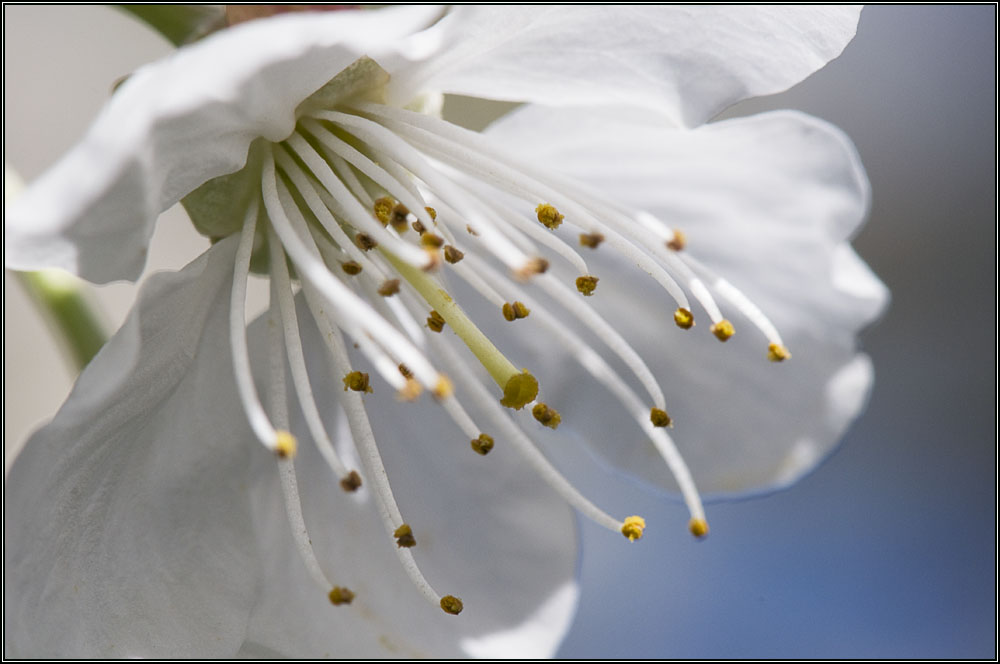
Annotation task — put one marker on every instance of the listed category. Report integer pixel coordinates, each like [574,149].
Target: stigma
[380,210]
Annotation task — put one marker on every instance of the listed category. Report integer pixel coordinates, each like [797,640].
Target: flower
[143,508]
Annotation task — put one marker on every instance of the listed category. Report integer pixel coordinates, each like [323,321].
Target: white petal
[487,529]
[768,203]
[180,122]
[127,534]
[688,62]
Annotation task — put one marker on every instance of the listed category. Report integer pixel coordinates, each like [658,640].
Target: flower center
[374,206]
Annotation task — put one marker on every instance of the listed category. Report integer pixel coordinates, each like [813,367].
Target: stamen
[723,330]
[404,536]
[591,240]
[353,268]
[515,311]
[586,284]
[659,418]
[451,604]
[546,415]
[633,528]
[357,381]
[549,216]
[340,596]
[777,353]
[435,322]
[482,444]
[453,255]
[684,319]
[698,527]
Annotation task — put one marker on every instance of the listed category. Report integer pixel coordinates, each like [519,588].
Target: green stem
[64,303]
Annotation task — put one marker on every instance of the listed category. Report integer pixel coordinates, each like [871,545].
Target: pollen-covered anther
[659,417]
[483,444]
[404,537]
[340,595]
[698,527]
[435,321]
[531,268]
[444,388]
[453,255]
[365,242]
[419,227]
[633,527]
[678,241]
[451,604]
[410,391]
[351,267]
[389,288]
[587,284]
[545,415]
[723,330]
[351,482]
[398,217]
[357,381]
[519,390]
[285,445]
[382,208]
[514,310]
[432,212]
[549,216]
[777,353]
[432,240]
[591,240]
[684,318]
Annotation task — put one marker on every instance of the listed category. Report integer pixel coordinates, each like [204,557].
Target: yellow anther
[549,216]
[531,268]
[515,310]
[548,416]
[587,284]
[453,255]
[351,267]
[410,391]
[684,319]
[351,482]
[678,242]
[285,445]
[444,387]
[340,596]
[419,227]
[451,604]
[404,537]
[777,353]
[389,288]
[398,218]
[659,417]
[432,240]
[365,242]
[591,240]
[520,390]
[632,527]
[383,209]
[432,212]
[483,444]
[433,259]
[723,330]
[435,321]
[357,381]
[698,527]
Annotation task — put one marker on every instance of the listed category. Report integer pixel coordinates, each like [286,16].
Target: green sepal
[180,24]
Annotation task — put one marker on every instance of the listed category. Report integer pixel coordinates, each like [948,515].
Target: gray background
[889,548]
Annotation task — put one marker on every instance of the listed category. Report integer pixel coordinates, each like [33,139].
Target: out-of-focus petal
[488,530]
[768,203]
[127,528]
[687,62]
[182,121]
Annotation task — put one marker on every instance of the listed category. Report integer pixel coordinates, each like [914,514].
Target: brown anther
[435,321]
[545,415]
[404,537]
[432,212]
[591,240]
[531,268]
[419,227]
[432,240]
[383,209]
[453,255]
[659,417]
[451,604]
[587,284]
[471,230]
[405,370]
[684,318]
[723,330]
[678,242]
[483,444]
[351,482]
[365,242]
[549,216]
[515,310]
[398,217]
[351,267]
[389,288]
[357,381]
[340,595]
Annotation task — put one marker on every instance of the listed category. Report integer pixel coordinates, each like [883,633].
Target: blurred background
[889,548]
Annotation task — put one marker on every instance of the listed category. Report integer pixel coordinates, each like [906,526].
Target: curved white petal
[487,529]
[768,203]
[687,62]
[127,530]
[180,122]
